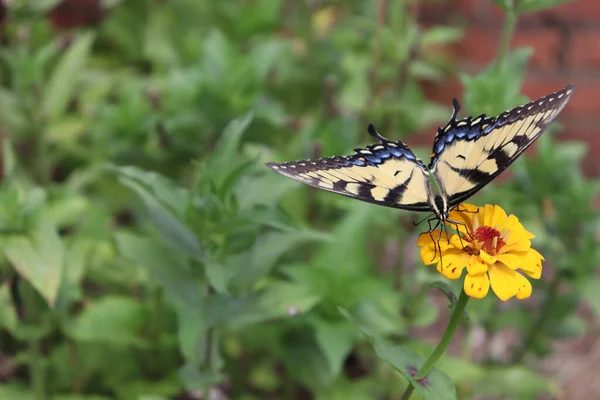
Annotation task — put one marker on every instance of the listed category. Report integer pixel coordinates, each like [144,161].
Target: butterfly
[467,154]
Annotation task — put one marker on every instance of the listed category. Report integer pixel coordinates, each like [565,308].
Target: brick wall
[566,48]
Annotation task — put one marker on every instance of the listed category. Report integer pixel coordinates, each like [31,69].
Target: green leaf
[169,268]
[68,210]
[167,192]
[381,314]
[61,85]
[307,364]
[195,323]
[79,397]
[529,6]
[194,380]
[497,88]
[266,189]
[217,56]
[111,319]
[286,298]
[348,254]
[436,386]
[353,389]
[9,319]
[152,189]
[517,381]
[15,392]
[336,340]
[441,35]
[79,252]
[215,273]
[39,258]
[224,156]
[268,248]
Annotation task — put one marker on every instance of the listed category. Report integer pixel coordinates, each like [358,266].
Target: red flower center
[489,238]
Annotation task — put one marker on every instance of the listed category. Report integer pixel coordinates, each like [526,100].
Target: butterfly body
[467,154]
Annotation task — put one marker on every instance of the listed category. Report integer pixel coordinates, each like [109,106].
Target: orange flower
[493,247]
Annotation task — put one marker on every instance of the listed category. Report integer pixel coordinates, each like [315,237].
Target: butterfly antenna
[373,132]
[456,106]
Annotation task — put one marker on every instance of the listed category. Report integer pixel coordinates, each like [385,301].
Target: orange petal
[477,286]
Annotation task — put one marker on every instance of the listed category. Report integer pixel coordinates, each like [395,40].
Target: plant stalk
[457,313]
[510,23]
[37,370]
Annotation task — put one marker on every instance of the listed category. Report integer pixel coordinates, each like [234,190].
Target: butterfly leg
[430,232]
[456,224]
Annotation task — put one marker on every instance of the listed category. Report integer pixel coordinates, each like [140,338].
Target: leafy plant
[147,252]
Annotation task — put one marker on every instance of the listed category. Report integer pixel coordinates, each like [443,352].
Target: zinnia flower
[493,247]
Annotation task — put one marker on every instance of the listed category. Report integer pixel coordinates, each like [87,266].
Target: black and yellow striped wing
[469,153]
[386,173]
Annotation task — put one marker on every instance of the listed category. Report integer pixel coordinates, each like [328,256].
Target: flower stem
[457,313]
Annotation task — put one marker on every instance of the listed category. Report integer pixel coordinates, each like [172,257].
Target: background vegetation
[148,253]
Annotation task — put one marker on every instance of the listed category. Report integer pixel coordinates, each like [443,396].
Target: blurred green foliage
[148,253]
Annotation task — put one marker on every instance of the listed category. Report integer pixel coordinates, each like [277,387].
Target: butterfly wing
[469,153]
[386,173]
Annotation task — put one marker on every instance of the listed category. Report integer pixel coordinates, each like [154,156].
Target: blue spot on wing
[473,133]
[372,159]
[438,146]
[461,133]
[408,154]
[488,129]
[383,153]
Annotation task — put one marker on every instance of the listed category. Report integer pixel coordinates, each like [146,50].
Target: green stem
[457,313]
[35,358]
[210,332]
[37,370]
[507,33]
[41,163]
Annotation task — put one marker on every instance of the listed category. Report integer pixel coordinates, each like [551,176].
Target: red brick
[545,43]
[443,92]
[480,46]
[581,10]
[584,50]
[474,9]
[585,100]
[69,14]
